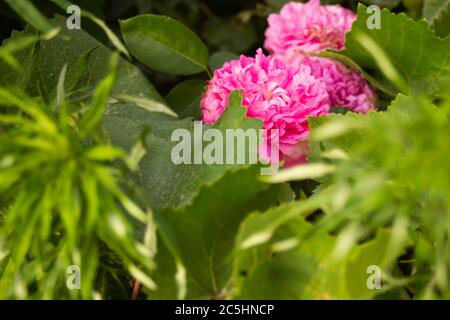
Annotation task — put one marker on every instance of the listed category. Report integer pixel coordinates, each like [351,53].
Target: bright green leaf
[418,55]
[434,9]
[204,234]
[172,185]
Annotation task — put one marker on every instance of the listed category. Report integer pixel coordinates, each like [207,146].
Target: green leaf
[11,47]
[81,207]
[343,132]
[259,228]
[100,98]
[204,232]
[147,104]
[301,172]
[172,184]
[382,182]
[334,132]
[64,4]
[104,153]
[373,253]
[85,58]
[417,54]
[165,44]
[294,266]
[185,97]
[217,59]
[298,263]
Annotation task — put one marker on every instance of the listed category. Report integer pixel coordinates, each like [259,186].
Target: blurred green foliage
[63,198]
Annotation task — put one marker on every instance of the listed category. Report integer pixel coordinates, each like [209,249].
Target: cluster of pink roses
[289,85]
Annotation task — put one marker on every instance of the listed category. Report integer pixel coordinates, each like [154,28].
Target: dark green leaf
[184,98]
[219,58]
[165,44]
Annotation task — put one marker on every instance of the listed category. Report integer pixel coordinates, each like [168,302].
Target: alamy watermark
[73,281]
[374,280]
[231,146]
[374,20]
[74,20]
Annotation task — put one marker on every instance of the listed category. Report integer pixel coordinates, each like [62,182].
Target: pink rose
[279,93]
[308,27]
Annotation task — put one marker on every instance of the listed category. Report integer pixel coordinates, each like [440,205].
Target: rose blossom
[346,87]
[302,29]
[279,93]
[308,27]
